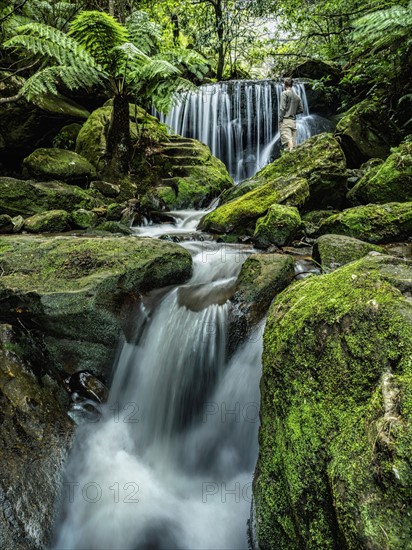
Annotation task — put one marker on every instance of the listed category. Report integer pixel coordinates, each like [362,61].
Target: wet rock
[373,223]
[87,385]
[114,227]
[58,164]
[387,181]
[75,288]
[333,251]
[262,277]
[105,188]
[240,215]
[278,227]
[25,198]
[334,461]
[54,221]
[365,132]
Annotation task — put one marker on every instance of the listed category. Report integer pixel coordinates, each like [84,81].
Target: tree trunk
[221,37]
[118,139]
[111,7]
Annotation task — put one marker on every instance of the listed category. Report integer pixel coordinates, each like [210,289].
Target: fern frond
[167,93]
[158,69]
[98,33]
[144,33]
[188,60]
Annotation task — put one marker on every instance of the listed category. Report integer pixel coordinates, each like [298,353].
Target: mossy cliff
[334,468]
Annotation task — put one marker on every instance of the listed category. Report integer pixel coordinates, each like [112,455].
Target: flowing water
[238,120]
[169,463]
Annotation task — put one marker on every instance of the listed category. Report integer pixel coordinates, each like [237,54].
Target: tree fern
[143,33]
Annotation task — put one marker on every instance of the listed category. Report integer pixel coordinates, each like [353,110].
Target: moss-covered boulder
[114,227]
[177,172]
[240,215]
[278,227]
[67,136]
[20,197]
[83,218]
[365,132]
[261,278]
[333,251]
[6,224]
[58,164]
[373,223]
[320,160]
[105,188]
[312,220]
[34,439]
[390,181]
[53,221]
[334,468]
[76,288]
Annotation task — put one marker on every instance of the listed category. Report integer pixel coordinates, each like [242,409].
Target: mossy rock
[261,278]
[19,197]
[333,251]
[83,219]
[76,288]
[365,132]
[59,164]
[390,181]
[114,227]
[66,138]
[278,227]
[312,220]
[320,160]
[54,221]
[6,224]
[334,468]
[105,188]
[240,215]
[35,436]
[373,223]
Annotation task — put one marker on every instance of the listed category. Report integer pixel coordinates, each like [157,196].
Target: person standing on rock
[290,106]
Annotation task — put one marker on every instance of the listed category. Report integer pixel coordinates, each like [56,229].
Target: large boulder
[175,172]
[278,227]
[333,251]
[373,223]
[77,288]
[240,215]
[320,160]
[261,278]
[390,181]
[20,197]
[35,435]
[334,467]
[58,164]
[53,221]
[365,132]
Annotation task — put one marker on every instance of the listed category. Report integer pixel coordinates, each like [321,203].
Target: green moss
[390,181]
[334,464]
[83,218]
[278,227]
[372,223]
[320,160]
[66,138]
[333,251]
[240,215]
[26,198]
[53,221]
[60,164]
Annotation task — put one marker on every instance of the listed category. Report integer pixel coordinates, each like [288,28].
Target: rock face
[334,466]
[333,251]
[261,278]
[320,160]
[26,198]
[278,227]
[372,223]
[58,164]
[76,288]
[175,172]
[34,437]
[390,181]
[240,215]
[366,132]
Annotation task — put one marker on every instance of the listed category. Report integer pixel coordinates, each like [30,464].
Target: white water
[170,463]
[238,120]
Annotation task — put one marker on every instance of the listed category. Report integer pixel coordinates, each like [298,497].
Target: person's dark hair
[288,82]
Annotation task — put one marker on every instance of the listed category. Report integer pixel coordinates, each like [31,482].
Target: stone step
[180,152]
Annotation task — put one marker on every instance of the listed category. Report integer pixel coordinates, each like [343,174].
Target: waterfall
[238,120]
[170,462]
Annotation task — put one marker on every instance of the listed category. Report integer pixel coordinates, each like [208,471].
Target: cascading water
[170,462]
[238,120]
